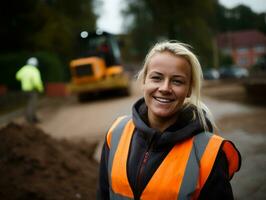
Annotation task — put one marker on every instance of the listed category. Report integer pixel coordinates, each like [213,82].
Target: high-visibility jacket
[181,175]
[30,78]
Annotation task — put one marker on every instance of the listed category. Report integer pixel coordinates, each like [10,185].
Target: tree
[47,25]
[239,18]
[188,21]
[47,29]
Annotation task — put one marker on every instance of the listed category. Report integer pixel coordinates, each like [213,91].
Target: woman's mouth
[163,100]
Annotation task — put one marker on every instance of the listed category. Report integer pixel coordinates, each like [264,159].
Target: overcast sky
[258,6]
[111,19]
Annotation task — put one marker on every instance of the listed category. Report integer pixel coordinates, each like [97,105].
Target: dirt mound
[35,166]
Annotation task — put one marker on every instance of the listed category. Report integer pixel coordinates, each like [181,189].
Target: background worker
[31,83]
[167,148]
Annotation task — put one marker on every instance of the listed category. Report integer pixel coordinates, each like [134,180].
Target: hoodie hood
[185,127]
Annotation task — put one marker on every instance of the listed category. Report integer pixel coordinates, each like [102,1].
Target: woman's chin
[163,115]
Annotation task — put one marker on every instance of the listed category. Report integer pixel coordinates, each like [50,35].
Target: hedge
[50,66]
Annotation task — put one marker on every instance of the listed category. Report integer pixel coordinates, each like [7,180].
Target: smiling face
[167,84]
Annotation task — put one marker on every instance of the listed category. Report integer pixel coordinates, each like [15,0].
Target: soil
[33,165]
[226,90]
[234,91]
[251,122]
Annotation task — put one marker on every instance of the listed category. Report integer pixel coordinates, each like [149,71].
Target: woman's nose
[165,86]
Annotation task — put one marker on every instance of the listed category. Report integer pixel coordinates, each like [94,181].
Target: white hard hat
[32,61]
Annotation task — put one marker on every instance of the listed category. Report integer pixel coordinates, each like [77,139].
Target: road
[67,118]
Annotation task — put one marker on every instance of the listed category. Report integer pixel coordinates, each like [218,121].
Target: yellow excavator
[98,67]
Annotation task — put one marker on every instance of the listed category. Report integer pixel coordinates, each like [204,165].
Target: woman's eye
[156,78]
[177,82]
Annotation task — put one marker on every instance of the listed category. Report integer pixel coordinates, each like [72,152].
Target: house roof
[241,39]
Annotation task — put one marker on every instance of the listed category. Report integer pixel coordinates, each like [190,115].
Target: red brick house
[245,47]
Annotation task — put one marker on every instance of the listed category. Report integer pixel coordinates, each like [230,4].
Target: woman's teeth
[163,100]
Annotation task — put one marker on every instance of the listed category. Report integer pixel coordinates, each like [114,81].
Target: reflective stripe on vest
[121,125]
[181,175]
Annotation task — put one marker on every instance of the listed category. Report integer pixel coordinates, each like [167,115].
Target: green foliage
[239,18]
[260,65]
[9,65]
[50,66]
[225,60]
[188,21]
[37,25]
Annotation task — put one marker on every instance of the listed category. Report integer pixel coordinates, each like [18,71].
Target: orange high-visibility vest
[181,175]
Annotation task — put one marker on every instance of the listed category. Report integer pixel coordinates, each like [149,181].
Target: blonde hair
[182,50]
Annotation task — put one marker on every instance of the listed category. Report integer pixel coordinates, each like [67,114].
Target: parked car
[211,74]
[233,72]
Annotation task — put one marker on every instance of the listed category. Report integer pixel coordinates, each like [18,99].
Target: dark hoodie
[149,147]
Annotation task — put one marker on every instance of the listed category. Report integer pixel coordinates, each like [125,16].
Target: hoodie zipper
[142,166]
[140,174]
[144,161]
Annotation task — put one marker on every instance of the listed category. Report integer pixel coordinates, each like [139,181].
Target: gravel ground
[243,122]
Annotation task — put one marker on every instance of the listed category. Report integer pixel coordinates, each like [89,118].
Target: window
[242,50]
[259,49]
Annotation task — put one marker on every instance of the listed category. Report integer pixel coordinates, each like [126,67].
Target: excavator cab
[97,66]
[100,44]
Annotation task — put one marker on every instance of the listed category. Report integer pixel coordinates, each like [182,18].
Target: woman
[167,149]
